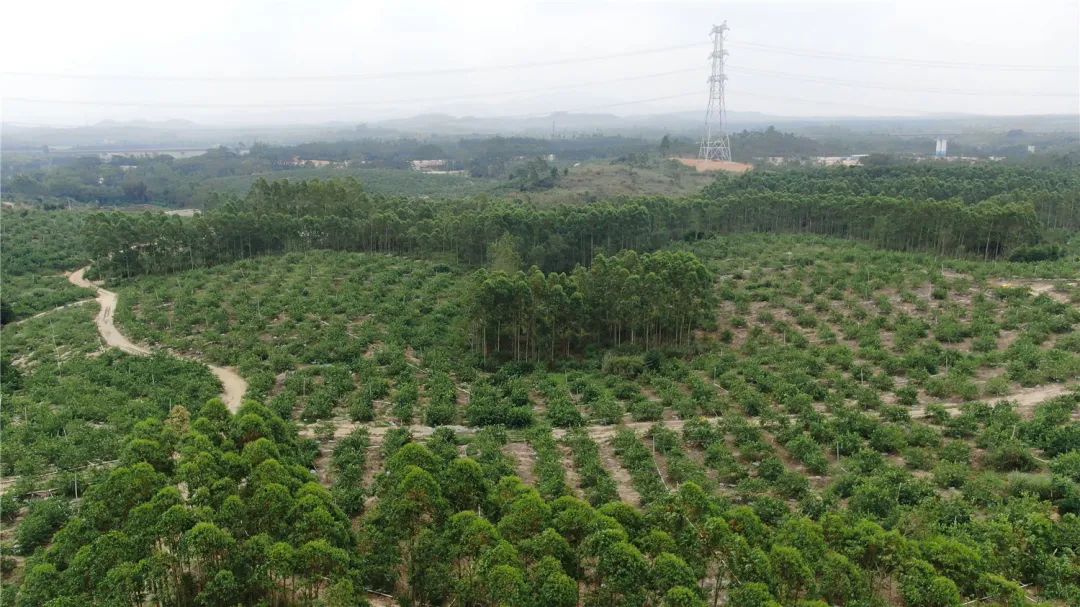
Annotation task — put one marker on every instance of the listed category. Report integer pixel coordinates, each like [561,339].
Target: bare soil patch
[524,459]
[704,166]
[624,485]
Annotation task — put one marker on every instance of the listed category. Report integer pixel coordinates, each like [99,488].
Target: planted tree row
[286,216]
[646,300]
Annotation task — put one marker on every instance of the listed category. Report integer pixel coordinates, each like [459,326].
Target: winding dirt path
[1046,287]
[234,386]
[49,311]
[1026,400]
[104,320]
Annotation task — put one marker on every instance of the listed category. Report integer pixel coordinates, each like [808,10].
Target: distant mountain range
[183,133]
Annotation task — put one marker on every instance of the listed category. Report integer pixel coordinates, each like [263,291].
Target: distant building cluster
[435,166]
[969,159]
[828,161]
[548,158]
[297,161]
[430,165]
[107,156]
[940,155]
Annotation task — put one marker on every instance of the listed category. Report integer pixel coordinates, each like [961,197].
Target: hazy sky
[69,62]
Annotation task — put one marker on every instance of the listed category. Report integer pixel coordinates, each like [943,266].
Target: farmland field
[750,397]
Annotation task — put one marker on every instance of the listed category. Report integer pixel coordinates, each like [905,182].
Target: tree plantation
[651,300]
[916,213]
[850,387]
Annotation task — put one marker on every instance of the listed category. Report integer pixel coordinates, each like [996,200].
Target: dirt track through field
[624,484]
[233,385]
[49,311]
[573,481]
[524,459]
[1038,287]
[1026,400]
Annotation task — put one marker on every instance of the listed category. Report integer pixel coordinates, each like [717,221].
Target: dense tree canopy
[648,300]
[970,211]
[669,407]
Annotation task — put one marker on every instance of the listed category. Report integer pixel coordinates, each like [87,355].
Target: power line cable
[901,60]
[341,77]
[840,103]
[533,64]
[375,102]
[890,87]
[378,102]
[309,105]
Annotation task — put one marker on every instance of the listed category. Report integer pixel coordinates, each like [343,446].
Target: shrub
[646,410]
[1011,455]
[42,520]
[628,367]
[563,413]
[1036,252]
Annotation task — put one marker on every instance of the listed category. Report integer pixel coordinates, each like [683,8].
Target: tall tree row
[947,218]
[636,299]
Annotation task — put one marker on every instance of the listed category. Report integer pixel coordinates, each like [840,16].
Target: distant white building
[107,156]
[427,166]
[439,166]
[297,161]
[845,161]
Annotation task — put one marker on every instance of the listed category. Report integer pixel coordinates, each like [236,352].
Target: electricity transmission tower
[715,144]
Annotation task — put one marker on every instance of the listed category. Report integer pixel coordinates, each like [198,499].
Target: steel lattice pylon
[715,144]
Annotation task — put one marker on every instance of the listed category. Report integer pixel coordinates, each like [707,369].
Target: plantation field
[832,378]
[397,182]
[692,409]
[592,181]
[302,328]
[588,182]
[37,247]
[52,337]
[819,350]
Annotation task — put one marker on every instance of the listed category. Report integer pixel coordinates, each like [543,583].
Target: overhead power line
[341,77]
[564,61]
[879,108]
[318,105]
[682,95]
[891,87]
[799,52]
[494,94]
[371,102]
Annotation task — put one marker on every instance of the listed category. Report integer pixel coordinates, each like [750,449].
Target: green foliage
[35,247]
[43,518]
[753,594]
[648,299]
[536,174]
[796,461]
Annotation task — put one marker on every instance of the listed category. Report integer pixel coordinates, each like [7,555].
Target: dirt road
[107,307]
[49,311]
[1038,287]
[1026,400]
[233,385]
